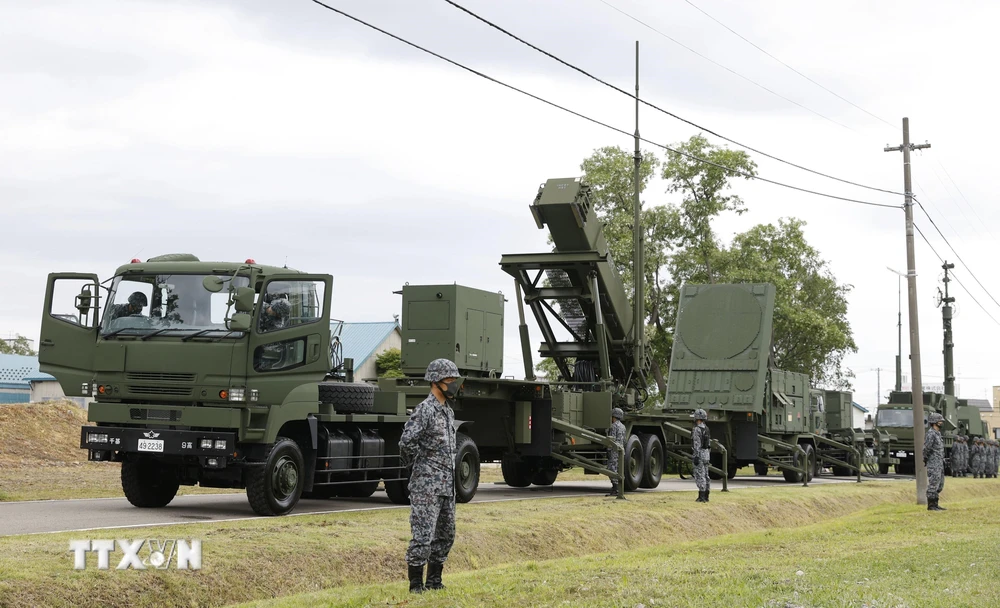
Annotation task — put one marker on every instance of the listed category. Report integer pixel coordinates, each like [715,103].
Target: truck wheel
[760,468]
[545,477]
[466,468]
[652,447]
[398,491]
[148,484]
[348,397]
[275,488]
[883,469]
[635,462]
[517,473]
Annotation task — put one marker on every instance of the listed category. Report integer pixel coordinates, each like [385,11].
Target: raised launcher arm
[591,303]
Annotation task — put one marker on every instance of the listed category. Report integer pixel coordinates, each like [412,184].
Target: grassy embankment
[499,553]
[40,457]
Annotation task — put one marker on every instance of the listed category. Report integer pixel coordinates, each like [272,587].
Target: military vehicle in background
[722,361]
[970,421]
[896,418]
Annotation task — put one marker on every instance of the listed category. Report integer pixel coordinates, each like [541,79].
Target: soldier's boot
[701,496]
[614,489]
[706,494]
[930,504]
[937,506]
[416,574]
[434,575]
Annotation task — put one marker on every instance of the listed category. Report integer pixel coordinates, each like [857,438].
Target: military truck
[722,361]
[970,421]
[896,418]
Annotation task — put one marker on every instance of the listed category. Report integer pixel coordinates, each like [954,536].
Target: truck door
[68,335]
[290,337]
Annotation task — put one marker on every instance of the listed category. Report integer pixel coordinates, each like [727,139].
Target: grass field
[887,556]
[270,558]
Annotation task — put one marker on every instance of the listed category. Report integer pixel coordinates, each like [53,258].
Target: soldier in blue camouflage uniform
[428,441]
[994,453]
[977,458]
[701,440]
[934,460]
[957,450]
[617,434]
[963,466]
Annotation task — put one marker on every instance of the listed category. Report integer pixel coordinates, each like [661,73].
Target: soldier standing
[617,434]
[701,440]
[977,457]
[956,457]
[934,460]
[964,471]
[428,441]
[996,457]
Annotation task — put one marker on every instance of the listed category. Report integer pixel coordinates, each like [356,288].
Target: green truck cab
[217,374]
[896,418]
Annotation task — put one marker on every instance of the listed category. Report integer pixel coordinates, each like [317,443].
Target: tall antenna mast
[638,244]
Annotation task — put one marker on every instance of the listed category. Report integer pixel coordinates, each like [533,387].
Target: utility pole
[899,331]
[917,392]
[878,377]
[949,345]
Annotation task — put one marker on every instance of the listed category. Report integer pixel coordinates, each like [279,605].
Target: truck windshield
[166,305]
[895,418]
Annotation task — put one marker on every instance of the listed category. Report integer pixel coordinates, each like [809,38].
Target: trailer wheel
[883,469]
[148,484]
[466,468]
[652,447]
[795,476]
[545,477]
[760,468]
[348,397]
[517,473]
[275,488]
[635,462]
[398,491]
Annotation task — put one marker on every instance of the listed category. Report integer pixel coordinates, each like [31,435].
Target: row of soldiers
[981,459]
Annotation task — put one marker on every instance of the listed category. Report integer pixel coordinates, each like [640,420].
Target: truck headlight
[220,444]
[97,437]
[205,444]
[237,394]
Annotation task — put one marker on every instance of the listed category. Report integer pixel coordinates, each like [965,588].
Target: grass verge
[889,556]
[260,559]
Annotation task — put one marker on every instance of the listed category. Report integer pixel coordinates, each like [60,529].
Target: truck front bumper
[111,443]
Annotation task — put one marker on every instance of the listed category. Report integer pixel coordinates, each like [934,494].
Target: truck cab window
[289,304]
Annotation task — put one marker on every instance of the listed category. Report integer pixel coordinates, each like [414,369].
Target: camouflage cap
[700,414]
[439,369]
[617,413]
[281,306]
[138,299]
[935,418]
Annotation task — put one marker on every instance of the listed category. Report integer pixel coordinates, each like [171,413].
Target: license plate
[150,445]
[901,454]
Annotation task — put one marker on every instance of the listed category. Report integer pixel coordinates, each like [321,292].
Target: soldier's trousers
[701,478]
[432,523]
[935,481]
[613,464]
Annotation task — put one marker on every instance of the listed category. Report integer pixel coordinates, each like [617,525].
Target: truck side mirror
[239,322]
[243,299]
[212,283]
[83,301]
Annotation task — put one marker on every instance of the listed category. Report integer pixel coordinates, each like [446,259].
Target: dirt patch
[35,434]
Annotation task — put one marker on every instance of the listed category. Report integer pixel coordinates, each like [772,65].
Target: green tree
[547,368]
[811,331]
[388,363]
[18,346]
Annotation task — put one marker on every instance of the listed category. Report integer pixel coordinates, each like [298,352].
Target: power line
[962,194]
[598,122]
[699,9]
[658,108]
[940,259]
[967,267]
[728,69]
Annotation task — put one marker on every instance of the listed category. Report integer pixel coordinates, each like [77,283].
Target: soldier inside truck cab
[136,302]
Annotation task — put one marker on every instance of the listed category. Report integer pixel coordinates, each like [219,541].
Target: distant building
[21,382]
[364,342]
[858,415]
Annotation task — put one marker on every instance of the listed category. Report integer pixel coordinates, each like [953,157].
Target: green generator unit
[453,322]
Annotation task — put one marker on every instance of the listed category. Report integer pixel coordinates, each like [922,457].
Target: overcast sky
[287,133]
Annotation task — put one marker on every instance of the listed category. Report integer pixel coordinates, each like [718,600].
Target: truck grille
[159,377]
[176,391]
[144,414]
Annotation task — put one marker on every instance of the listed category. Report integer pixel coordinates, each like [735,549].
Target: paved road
[46,516]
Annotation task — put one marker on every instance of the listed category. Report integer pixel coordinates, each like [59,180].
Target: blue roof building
[363,342]
[14,373]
